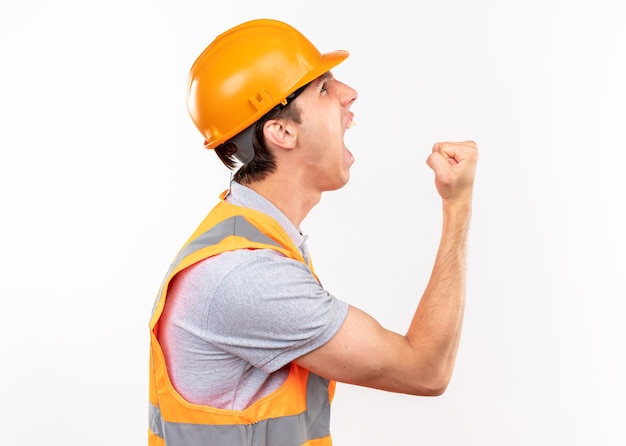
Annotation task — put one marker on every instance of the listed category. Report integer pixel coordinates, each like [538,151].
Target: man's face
[325,115]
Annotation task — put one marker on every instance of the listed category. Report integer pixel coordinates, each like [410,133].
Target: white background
[103,176]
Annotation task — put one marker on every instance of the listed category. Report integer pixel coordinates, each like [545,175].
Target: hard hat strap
[291,97]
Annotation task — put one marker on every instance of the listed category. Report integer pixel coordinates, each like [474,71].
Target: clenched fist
[454,165]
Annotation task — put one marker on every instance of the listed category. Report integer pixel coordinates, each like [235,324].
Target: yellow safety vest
[296,414]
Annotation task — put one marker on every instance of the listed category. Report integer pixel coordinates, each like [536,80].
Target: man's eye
[323,87]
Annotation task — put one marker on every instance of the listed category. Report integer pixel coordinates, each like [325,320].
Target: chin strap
[230,183]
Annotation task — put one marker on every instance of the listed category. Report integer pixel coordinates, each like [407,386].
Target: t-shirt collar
[241,195]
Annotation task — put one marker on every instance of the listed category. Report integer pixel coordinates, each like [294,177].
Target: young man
[246,345]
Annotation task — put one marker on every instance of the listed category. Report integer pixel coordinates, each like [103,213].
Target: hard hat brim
[327,62]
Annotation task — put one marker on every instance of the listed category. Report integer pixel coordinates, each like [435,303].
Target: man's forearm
[436,327]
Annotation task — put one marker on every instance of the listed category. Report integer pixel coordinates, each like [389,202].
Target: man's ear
[280,133]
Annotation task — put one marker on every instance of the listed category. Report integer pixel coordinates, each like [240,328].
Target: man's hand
[454,164]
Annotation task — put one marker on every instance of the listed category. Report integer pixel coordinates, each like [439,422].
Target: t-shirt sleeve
[270,310]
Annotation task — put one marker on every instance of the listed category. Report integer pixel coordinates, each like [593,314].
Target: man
[246,345]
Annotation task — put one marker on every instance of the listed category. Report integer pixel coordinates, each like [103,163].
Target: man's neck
[292,199]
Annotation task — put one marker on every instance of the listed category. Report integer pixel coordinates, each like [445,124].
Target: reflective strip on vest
[237,226]
[294,430]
